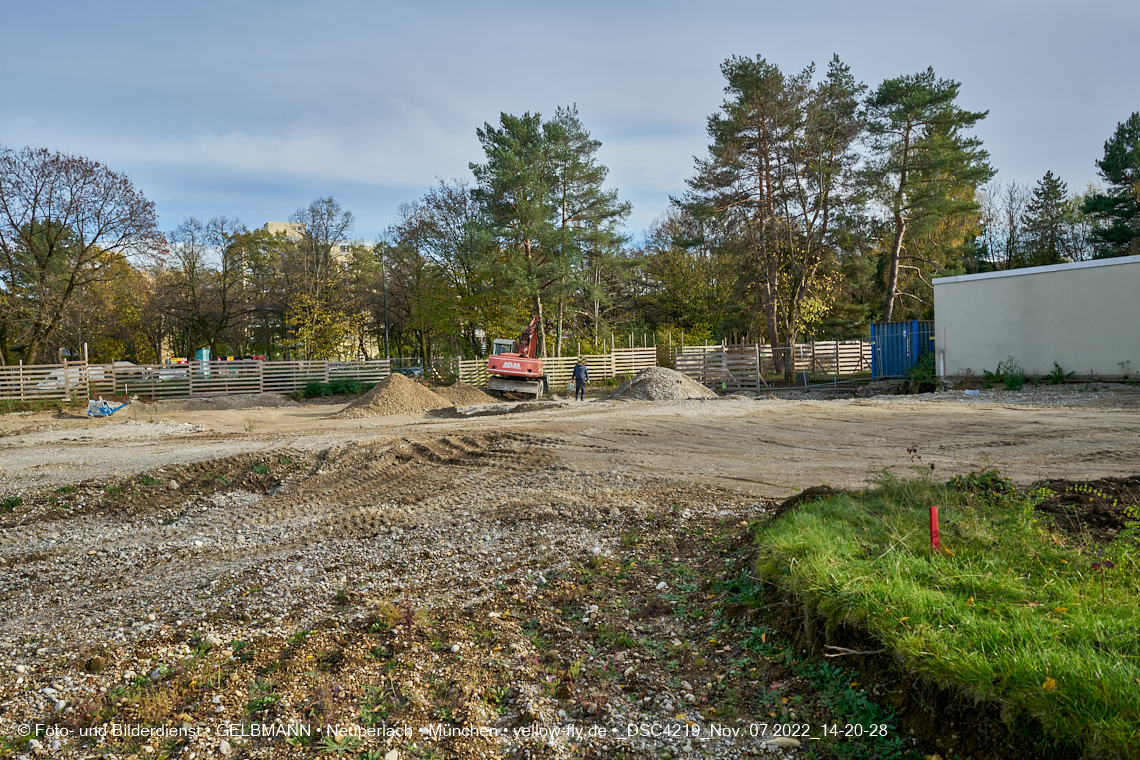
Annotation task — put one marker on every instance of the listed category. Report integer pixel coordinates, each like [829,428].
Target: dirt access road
[529,584]
[767,447]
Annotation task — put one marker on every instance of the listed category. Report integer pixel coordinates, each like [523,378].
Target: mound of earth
[217,403]
[1098,509]
[661,384]
[394,394]
[462,394]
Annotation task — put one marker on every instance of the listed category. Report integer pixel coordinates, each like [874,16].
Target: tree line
[821,205]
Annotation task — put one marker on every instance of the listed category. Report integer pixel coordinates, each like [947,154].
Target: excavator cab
[504,346]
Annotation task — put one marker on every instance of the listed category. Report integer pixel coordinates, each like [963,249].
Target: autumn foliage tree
[64,222]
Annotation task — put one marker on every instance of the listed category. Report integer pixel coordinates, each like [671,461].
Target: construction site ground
[563,580]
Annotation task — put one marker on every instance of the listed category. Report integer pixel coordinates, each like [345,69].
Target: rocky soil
[410,591]
[411,581]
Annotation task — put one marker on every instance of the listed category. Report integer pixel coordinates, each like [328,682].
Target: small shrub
[10,503]
[1011,373]
[923,374]
[1058,376]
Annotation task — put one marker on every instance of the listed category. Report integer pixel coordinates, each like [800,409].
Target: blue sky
[253,109]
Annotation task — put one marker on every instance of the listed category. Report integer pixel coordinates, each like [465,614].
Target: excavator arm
[528,346]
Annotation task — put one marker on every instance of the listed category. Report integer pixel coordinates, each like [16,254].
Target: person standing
[581,377]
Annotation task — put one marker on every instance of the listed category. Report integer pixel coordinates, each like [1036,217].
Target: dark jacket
[581,373]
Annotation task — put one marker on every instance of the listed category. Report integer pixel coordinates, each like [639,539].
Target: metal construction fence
[76,380]
[756,367]
[621,361]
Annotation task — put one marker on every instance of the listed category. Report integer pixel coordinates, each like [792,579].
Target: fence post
[759,374]
[190,378]
[20,379]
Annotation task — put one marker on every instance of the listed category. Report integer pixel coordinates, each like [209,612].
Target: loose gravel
[661,384]
[472,591]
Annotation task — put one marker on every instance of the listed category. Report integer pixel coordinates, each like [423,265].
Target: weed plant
[1058,376]
[1006,614]
[923,374]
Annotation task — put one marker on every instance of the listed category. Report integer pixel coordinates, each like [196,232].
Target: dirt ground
[769,447]
[562,582]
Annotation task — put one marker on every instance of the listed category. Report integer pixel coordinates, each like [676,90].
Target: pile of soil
[661,384]
[394,394]
[462,394]
[1098,509]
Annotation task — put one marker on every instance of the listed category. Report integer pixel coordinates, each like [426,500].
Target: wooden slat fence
[622,361]
[215,378]
[35,382]
[755,367]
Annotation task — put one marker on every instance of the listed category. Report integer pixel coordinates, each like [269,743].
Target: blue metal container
[898,346]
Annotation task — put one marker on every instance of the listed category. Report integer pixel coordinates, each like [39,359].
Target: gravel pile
[462,394]
[394,394]
[661,384]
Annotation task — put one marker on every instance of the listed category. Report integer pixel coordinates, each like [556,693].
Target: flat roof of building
[1038,270]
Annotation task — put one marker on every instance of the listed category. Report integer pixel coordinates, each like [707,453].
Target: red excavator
[514,368]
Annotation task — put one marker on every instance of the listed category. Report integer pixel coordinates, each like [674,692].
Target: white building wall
[1084,316]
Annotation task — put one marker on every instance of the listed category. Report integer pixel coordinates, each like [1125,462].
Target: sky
[254,109]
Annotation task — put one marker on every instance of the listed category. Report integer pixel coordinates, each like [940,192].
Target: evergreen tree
[515,185]
[777,182]
[1047,222]
[542,190]
[587,215]
[1118,210]
[926,170]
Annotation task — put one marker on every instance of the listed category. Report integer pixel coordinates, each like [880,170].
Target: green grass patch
[9,504]
[9,406]
[1008,613]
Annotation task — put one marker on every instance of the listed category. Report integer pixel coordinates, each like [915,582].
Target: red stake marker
[934,544]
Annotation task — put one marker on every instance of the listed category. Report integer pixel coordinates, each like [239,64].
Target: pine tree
[778,182]
[925,169]
[1047,223]
[587,216]
[542,189]
[1118,210]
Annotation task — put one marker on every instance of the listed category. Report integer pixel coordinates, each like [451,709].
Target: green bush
[923,374]
[1012,374]
[1008,372]
[342,386]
